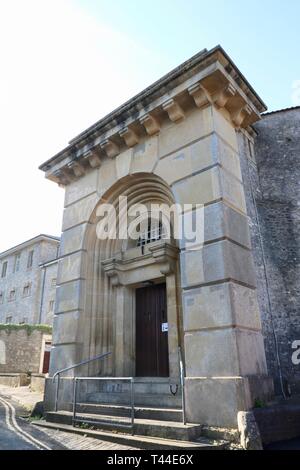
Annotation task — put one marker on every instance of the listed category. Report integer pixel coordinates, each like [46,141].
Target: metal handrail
[80,364]
[131,379]
[74,366]
[127,379]
[182,381]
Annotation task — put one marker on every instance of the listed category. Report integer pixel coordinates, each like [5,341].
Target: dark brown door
[152,357]
[46,358]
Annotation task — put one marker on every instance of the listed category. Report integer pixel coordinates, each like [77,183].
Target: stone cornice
[212,80]
[161,253]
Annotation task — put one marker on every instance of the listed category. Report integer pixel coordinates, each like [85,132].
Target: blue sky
[261,36]
[67,63]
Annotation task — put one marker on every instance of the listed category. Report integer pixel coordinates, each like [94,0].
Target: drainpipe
[42,296]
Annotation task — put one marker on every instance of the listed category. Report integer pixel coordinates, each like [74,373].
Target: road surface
[17,434]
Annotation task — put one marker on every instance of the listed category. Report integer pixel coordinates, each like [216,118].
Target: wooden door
[46,360]
[152,355]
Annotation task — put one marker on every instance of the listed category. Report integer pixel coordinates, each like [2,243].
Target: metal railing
[76,380]
[124,379]
[74,366]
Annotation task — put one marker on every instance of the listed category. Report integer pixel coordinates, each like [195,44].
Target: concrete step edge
[150,422]
[142,442]
[153,413]
[137,407]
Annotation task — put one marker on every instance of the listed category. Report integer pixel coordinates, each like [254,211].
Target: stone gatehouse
[187,139]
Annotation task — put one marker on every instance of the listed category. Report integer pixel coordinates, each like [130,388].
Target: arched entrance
[132,305]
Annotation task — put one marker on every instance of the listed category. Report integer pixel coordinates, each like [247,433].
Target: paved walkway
[77,442]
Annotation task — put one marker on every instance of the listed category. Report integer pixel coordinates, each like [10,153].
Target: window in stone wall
[53,282]
[12,295]
[4,269]
[27,290]
[30,259]
[1,297]
[9,319]
[17,262]
[151,232]
[51,305]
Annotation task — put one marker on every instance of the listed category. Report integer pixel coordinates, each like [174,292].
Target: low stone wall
[37,383]
[21,348]
[14,380]
[278,423]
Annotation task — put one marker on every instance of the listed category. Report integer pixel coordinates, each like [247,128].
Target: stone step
[143,427]
[142,399]
[156,413]
[141,442]
[140,386]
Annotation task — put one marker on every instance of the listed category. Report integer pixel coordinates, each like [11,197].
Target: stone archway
[114,270]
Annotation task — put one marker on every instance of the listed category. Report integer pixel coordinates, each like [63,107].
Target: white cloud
[61,70]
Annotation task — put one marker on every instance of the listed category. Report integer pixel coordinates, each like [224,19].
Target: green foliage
[85,426]
[8,328]
[36,417]
[258,403]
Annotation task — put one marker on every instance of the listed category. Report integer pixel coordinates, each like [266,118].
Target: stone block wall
[48,289]
[21,348]
[30,306]
[271,181]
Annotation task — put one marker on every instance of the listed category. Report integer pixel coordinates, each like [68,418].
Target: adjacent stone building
[24,349]
[275,180]
[187,139]
[28,275]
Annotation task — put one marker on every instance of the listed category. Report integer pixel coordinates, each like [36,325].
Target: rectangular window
[51,305]
[53,282]
[17,263]
[8,319]
[26,290]
[4,269]
[30,259]
[12,295]
[1,297]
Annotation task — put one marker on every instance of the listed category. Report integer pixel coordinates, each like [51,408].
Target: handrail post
[74,399]
[132,403]
[56,393]
[182,381]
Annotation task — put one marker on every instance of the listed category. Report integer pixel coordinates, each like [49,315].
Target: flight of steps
[157,416]
[147,392]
